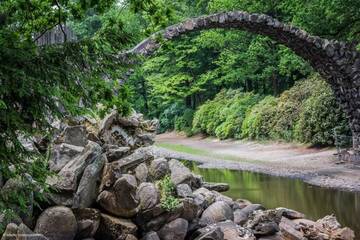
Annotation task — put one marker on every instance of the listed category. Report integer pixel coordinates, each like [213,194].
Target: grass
[199,152]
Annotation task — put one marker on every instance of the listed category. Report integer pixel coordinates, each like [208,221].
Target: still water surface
[272,192]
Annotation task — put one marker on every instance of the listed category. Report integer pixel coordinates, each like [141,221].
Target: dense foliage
[224,115]
[307,113]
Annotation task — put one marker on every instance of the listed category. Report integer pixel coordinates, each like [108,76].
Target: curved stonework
[337,62]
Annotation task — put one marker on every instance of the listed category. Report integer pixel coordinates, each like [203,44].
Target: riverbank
[314,166]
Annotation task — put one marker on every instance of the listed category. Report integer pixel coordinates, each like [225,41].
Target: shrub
[234,114]
[320,117]
[223,116]
[167,117]
[289,107]
[184,123]
[259,121]
[167,191]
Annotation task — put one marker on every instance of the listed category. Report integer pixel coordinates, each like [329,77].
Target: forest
[227,84]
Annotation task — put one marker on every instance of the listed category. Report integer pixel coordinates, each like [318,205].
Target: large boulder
[69,176]
[216,212]
[183,190]
[174,230]
[148,195]
[113,228]
[57,223]
[204,197]
[88,188]
[191,210]
[122,200]
[61,154]
[290,230]
[88,221]
[159,168]
[242,215]
[114,170]
[116,153]
[264,223]
[235,232]
[180,173]
[74,135]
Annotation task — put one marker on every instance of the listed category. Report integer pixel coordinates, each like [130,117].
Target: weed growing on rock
[167,192]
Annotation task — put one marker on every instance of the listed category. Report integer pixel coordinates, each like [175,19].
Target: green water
[272,192]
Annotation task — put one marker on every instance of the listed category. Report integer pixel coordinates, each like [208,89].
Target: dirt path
[315,166]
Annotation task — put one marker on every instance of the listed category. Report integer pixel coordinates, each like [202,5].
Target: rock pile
[110,187]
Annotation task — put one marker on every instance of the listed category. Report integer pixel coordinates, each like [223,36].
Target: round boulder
[174,230]
[57,223]
[216,212]
[159,168]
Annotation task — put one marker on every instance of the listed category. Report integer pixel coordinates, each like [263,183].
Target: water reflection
[273,192]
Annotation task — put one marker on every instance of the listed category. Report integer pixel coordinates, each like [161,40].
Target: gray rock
[142,172]
[216,212]
[242,215]
[148,195]
[291,214]
[114,228]
[211,232]
[74,135]
[204,197]
[174,230]
[20,232]
[88,188]
[122,200]
[241,203]
[57,223]
[159,168]
[290,230]
[184,190]
[191,209]
[234,232]
[151,236]
[131,121]
[115,170]
[117,153]
[264,223]
[88,221]
[70,174]
[219,187]
[61,154]
[180,173]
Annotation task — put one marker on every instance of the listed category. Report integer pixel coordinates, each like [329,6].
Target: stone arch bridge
[337,62]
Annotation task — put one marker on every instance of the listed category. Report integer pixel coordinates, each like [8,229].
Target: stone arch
[337,62]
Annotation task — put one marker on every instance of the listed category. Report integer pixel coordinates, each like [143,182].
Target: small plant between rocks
[167,194]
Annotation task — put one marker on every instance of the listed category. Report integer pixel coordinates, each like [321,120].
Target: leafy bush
[167,190]
[320,117]
[184,123]
[289,107]
[167,117]
[223,116]
[259,121]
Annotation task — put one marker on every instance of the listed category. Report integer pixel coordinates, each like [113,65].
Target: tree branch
[60,25]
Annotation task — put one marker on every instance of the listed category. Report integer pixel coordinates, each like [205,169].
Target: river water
[271,192]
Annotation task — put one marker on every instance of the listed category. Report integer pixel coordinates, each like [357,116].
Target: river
[271,192]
